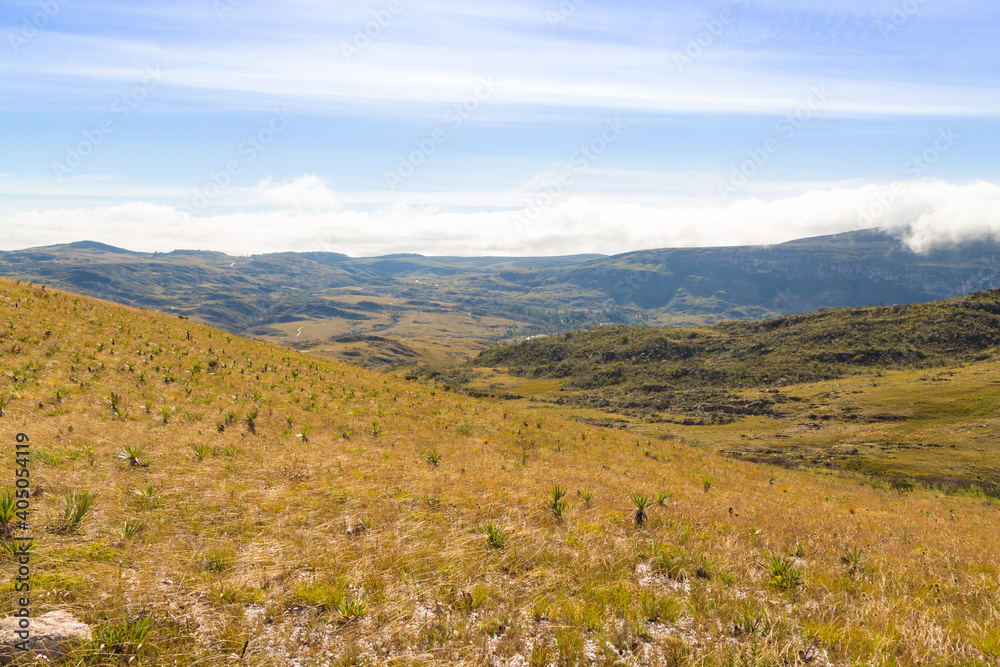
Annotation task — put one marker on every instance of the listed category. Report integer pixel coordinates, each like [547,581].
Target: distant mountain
[502,298]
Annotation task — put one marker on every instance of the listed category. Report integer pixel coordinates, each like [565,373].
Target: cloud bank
[305,215]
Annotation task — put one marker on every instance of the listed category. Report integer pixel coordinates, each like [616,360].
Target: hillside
[834,388]
[408,310]
[658,367]
[256,506]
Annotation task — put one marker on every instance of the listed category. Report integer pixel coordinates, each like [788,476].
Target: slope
[255,505]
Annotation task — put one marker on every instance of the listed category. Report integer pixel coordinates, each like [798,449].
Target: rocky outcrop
[50,636]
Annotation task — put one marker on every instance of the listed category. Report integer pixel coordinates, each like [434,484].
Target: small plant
[642,503]
[201,451]
[304,433]
[8,513]
[662,497]
[130,529]
[351,609]
[133,454]
[854,560]
[77,506]
[16,548]
[495,535]
[115,400]
[706,484]
[231,450]
[3,403]
[166,414]
[251,422]
[146,494]
[558,504]
[61,394]
[747,621]
[784,576]
[376,430]
[587,496]
[123,637]
[434,458]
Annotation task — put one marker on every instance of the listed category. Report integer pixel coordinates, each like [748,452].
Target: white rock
[50,636]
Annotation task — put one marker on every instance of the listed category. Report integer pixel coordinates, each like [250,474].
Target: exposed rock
[50,636]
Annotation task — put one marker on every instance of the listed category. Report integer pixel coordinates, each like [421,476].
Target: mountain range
[408,309]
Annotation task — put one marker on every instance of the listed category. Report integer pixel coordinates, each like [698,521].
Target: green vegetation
[644,371]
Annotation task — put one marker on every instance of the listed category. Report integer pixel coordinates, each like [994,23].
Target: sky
[528,127]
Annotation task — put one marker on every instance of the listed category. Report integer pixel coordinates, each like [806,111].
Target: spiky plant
[251,422]
[642,503]
[588,496]
[351,609]
[557,502]
[434,458]
[201,451]
[854,560]
[133,454]
[129,529]
[115,400]
[783,575]
[662,497]
[8,513]
[495,535]
[77,506]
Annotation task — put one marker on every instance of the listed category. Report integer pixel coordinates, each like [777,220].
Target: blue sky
[531,127]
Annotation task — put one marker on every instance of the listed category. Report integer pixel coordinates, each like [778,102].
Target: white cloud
[304,193]
[927,214]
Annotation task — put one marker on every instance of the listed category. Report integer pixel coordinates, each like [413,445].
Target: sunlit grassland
[317,513]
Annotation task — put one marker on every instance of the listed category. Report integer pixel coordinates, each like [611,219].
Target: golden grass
[323,534]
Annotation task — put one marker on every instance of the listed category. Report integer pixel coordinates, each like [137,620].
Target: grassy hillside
[284,510]
[642,370]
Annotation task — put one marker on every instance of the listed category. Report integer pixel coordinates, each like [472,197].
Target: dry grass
[350,547]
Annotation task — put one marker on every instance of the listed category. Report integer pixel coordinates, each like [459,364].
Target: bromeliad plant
[77,506]
[495,535]
[557,502]
[8,513]
[133,454]
[642,503]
